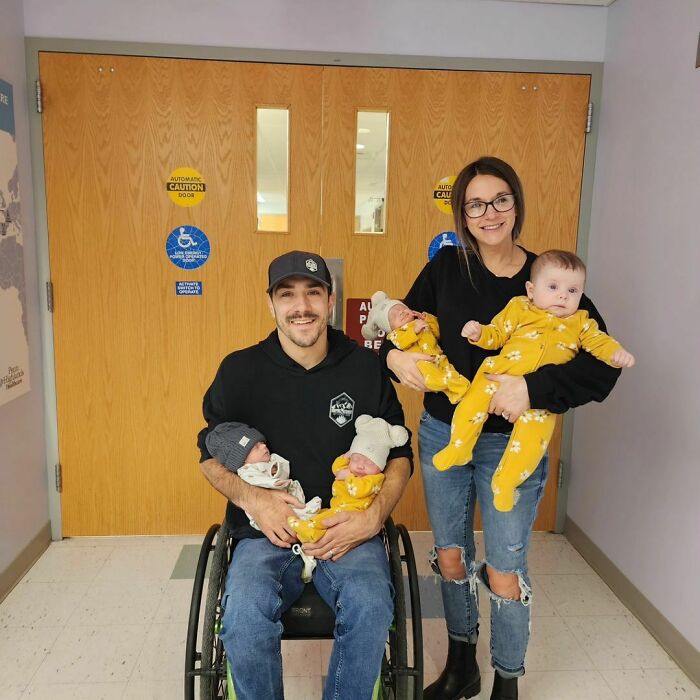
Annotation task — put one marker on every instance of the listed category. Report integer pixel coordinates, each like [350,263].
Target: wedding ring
[330,553]
[506,415]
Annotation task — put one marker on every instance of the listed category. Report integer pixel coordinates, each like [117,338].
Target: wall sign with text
[356,311]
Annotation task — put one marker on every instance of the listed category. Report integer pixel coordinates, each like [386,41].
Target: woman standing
[476,281]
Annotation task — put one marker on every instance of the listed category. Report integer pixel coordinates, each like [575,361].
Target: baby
[545,327]
[242,450]
[415,332]
[358,473]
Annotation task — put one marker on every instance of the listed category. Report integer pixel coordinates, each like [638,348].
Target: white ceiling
[599,3]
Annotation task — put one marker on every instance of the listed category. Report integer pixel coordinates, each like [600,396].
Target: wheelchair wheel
[399,681]
[416,672]
[212,683]
[192,656]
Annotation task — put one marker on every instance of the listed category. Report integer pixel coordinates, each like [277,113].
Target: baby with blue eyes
[543,327]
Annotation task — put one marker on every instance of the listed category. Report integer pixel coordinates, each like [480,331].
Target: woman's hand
[404,366]
[511,399]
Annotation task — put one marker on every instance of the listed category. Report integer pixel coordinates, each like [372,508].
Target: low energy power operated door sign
[187,247]
[442,194]
[442,240]
[186,187]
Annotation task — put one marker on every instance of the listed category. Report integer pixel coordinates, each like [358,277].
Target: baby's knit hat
[231,443]
[375,438]
[378,317]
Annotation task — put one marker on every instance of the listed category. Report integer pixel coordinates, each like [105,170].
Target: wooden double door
[133,358]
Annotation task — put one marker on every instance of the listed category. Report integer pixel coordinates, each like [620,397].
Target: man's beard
[296,334]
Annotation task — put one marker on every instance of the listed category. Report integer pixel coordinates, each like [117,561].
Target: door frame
[34,45]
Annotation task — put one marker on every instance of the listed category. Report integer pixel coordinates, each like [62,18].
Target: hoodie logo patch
[342,410]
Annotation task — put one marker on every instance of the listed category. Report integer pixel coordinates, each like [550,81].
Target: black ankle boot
[461,678]
[504,688]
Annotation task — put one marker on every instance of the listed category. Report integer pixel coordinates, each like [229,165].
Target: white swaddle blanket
[275,475]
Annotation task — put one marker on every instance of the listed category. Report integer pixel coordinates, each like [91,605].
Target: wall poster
[14,342]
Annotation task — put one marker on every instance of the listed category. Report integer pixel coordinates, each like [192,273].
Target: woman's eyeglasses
[477,208]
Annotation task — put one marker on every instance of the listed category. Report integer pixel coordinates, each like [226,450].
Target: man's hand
[349,529]
[511,399]
[472,330]
[344,531]
[270,510]
[622,358]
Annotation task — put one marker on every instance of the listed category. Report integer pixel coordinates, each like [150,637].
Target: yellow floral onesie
[439,374]
[351,493]
[529,337]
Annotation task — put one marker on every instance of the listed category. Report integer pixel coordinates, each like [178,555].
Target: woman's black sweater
[447,289]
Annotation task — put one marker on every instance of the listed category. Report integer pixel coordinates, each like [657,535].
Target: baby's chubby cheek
[361,465]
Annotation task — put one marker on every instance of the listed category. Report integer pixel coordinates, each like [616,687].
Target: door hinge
[589,118]
[560,479]
[59,477]
[39,101]
[49,296]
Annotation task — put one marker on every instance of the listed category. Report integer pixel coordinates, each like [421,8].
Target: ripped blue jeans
[451,496]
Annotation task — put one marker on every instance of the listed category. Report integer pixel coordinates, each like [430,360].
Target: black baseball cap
[298,263]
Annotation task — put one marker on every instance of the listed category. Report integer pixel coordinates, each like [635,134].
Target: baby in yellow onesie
[415,332]
[358,473]
[544,327]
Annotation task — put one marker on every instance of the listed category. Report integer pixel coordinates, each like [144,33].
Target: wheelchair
[308,618]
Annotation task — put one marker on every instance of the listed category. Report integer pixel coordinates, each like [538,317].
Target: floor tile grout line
[87,590]
[612,690]
[583,647]
[145,640]
[646,633]
[55,641]
[43,661]
[533,578]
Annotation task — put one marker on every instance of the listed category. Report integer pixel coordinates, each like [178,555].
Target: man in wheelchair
[302,387]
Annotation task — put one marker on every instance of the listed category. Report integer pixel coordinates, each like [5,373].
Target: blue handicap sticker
[446,238]
[188,289]
[187,247]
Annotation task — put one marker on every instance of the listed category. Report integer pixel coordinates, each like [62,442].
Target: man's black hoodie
[306,415]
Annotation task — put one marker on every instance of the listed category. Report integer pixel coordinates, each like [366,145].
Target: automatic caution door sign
[186,187]
[442,194]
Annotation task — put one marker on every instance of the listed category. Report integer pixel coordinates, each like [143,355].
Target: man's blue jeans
[451,496]
[264,580]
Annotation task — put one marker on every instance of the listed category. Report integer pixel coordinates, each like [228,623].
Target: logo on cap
[342,409]
[311,265]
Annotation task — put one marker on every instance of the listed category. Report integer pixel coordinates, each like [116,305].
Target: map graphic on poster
[14,345]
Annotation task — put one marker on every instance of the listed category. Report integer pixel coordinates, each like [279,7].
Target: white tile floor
[102,619]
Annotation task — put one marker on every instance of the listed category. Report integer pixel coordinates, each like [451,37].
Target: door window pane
[371,157]
[272,192]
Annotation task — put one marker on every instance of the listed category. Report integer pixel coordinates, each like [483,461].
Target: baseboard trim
[11,576]
[677,646]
